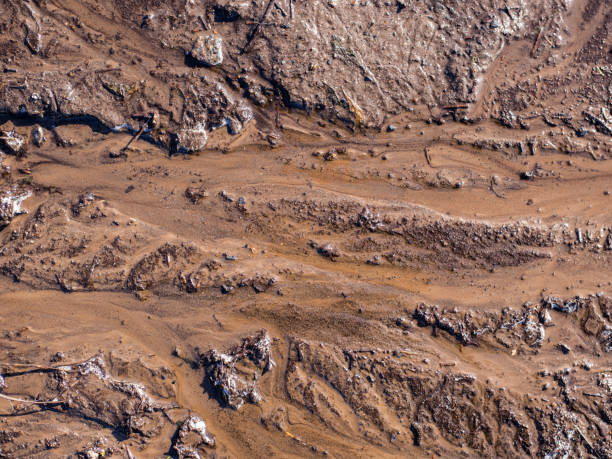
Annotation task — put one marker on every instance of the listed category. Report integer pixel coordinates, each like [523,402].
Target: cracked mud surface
[305,228]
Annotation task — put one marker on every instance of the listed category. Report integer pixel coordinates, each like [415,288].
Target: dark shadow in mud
[21,413]
[51,122]
[190,61]
[212,391]
[171,453]
[119,433]
[225,14]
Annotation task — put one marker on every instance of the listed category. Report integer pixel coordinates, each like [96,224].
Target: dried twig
[537,42]
[138,134]
[256,28]
[280,8]
[203,22]
[33,402]
[499,195]
[427,157]
[41,367]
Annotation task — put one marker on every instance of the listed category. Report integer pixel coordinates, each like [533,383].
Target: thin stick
[427,157]
[34,402]
[280,8]
[256,28]
[203,22]
[501,196]
[138,134]
[291,9]
[535,44]
[41,367]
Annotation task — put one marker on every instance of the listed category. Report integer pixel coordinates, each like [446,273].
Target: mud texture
[289,228]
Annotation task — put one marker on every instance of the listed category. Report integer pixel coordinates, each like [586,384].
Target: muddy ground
[299,228]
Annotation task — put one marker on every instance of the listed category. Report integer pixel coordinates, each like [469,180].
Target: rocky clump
[386,63]
[11,201]
[191,139]
[208,50]
[192,437]
[11,141]
[385,396]
[89,392]
[195,194]
[234,374]
[511,327]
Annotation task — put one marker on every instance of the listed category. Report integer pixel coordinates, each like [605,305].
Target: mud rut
[391,239]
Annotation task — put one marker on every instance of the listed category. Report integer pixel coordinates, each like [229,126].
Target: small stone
[13,142]
[33,40]
[391,128]
[208,50]
[375,261]
[545,318]
[564,348]
[330,156]
[329,251]
[191,140]
[38,136]
[195,194]
[192,435]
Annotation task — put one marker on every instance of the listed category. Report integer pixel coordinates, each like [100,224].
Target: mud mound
[229,373]
[87,397]
[387,396]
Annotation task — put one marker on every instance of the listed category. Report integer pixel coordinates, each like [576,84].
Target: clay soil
[338,229]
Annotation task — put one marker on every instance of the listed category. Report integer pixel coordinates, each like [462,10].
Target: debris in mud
[599,123]
[360,360]
[512,327]
[369,220]
[537,172]
[87,391]
[454,406]
[234,374]
[329,251]
[564,348]
[195,194]
[83,201]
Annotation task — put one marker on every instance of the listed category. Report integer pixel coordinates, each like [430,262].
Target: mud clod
[234,374]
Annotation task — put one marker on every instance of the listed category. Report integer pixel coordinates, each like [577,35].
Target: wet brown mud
[248,229]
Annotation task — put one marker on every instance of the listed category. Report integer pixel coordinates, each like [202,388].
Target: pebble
[208,50]
[564,348]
